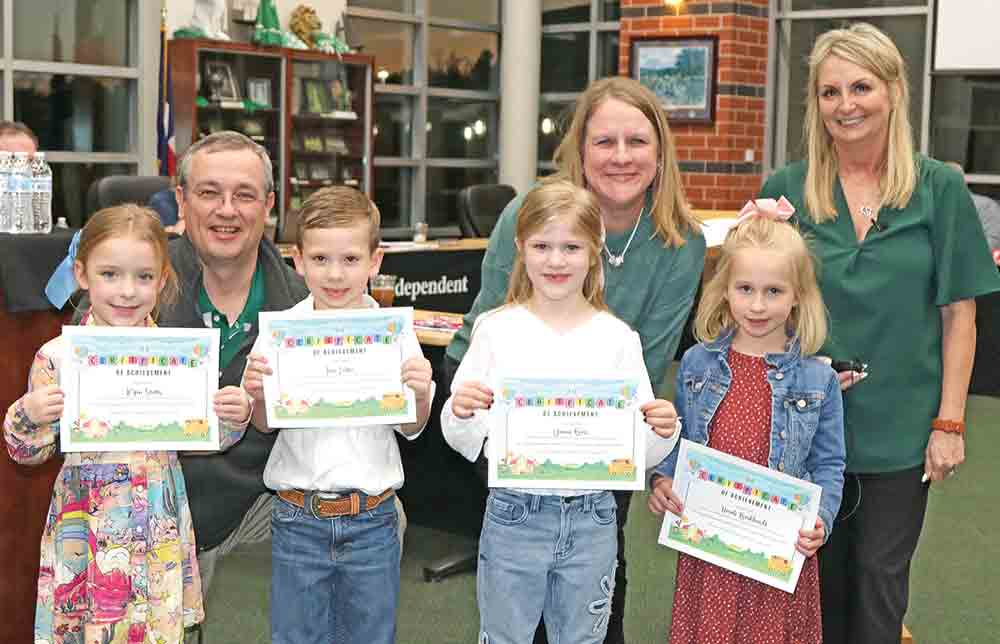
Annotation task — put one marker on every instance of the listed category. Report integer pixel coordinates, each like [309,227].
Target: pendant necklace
[618,260]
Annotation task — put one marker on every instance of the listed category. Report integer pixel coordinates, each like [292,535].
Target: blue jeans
[334,580]
[546,555]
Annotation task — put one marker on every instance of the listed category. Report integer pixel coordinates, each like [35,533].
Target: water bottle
[41,194]
[6,161]
[20,189]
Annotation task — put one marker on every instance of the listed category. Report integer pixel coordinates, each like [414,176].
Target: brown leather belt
[343,506]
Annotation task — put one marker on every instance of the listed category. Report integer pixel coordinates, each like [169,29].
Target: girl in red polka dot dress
[752,389]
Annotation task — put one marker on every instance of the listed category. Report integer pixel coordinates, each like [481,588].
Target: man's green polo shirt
[231,336]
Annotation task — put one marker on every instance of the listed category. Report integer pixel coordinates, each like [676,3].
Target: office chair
[479,207]
[120,188]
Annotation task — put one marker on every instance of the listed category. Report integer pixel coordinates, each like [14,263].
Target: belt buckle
[314,501]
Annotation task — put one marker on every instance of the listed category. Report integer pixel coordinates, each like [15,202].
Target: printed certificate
[337,368]
[577,434]
[739,515]
[139,389]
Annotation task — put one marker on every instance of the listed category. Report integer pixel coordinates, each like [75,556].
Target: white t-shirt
[513,341]
[340,459]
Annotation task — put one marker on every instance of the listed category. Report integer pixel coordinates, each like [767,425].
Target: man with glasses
[228,272]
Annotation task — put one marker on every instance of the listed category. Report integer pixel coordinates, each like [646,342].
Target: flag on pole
[165,153]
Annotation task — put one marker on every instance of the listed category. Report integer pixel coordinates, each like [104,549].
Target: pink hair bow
[780,210]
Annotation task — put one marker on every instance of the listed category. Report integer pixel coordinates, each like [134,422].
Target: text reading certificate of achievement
[557,434]
[139,389]
[739,515]
[337,368]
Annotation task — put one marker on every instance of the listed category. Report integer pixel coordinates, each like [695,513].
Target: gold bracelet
[949,426]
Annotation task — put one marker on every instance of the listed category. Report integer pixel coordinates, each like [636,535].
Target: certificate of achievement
[139,389]
[739,515]
[337,368]
[577,434]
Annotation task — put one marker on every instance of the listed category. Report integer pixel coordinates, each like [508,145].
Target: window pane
[393,122]
[74,31]
[908,32]
[564,61]
[70,182]
[805,5]
[607,54]
[393,187]
[553,119]
[443,185]
[483,11]
[611,10]
[392,45]
[459,129]
[462,59]
[966,122]
[75,113]
[403,6]
[555,12]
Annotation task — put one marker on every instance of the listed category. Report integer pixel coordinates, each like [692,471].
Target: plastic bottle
[20,191]
[6,161]
[41,194]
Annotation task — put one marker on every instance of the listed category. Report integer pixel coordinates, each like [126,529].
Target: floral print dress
[118,559]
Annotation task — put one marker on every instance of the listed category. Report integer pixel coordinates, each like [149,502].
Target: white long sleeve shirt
[338,459]
[512,341]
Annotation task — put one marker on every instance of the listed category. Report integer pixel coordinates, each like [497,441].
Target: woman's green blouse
[884,296]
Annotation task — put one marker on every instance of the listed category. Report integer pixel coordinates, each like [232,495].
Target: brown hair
[807,319]
[671,216]
[137,222]
[553,200]
[339,207]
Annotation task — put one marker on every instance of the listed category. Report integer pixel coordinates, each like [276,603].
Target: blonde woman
[618,146]
[903,257]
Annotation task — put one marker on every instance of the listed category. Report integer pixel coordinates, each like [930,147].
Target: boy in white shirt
[335,547]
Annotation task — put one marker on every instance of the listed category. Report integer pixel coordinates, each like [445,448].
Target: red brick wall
[713,157]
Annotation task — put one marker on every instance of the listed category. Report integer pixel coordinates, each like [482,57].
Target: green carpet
[953,598]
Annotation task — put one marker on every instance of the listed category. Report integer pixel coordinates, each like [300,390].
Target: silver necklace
[618,260]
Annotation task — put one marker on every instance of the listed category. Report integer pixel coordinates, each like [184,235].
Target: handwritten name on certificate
[739,515]
[579,434]
[337,368]
[139,389]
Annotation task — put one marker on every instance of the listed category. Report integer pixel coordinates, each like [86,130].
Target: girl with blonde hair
[753,389]
[557,547]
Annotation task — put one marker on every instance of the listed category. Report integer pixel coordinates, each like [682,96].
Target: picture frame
[259,91]
[312,143]
[681,72]
[315,96]
[319,171]
[221,82]
[252,127]
[335,144]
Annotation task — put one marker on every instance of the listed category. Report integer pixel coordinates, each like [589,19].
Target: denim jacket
[807,416]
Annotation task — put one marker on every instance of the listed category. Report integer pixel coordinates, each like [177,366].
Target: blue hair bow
[62,284]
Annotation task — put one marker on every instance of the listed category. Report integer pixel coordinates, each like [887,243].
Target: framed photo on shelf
[220,82]
[259,91]
[335,144]
[316,96]
[301,170]
[319,171]
[253,127]
[312,143]
[681,72]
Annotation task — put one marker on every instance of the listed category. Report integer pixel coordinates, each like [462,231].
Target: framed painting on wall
[681,72]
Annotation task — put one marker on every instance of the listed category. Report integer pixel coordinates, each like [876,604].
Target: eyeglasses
[216,198]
